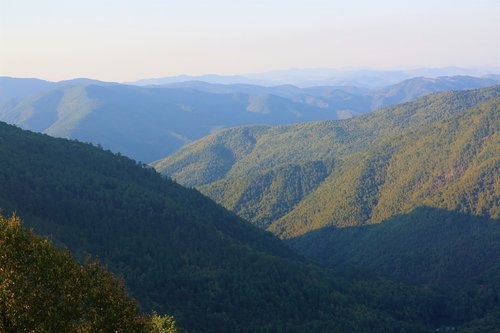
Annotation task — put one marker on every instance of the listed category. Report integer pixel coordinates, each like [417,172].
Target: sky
[126,40]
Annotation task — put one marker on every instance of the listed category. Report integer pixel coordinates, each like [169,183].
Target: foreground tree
[42,289]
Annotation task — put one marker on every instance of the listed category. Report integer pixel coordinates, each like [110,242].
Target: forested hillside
[426,245]
[181,254]
[451,164]
[455,252]
[440,151]
[409,192]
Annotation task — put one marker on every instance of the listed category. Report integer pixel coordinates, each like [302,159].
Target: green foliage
[164,324]
[180,253]
[429,170]
[280,189]
[450,164]
[43,290]
[214,158]
[440,151]
[488,324]
[453,251]
[427,245]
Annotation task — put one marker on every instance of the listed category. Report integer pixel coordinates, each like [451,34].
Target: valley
[384,222]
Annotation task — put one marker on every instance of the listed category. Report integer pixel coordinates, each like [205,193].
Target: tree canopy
[42,289]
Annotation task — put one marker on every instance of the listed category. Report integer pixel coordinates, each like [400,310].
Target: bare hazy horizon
[127,40]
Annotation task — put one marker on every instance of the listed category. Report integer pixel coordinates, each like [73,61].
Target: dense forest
[408,193]
[440,151]
[181,254]
[455,252]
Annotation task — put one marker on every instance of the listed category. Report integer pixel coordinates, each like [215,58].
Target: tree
[42,289]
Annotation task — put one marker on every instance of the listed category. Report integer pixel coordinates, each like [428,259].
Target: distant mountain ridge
[144,123]
[14,89]
[148,123]
[414,88]
[210,78]
[310,77]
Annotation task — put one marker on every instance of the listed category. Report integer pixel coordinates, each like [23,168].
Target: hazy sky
[125,40]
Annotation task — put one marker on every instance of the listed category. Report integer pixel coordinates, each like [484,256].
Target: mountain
[150,123]
[209,78]
[310,77]
[426,245]
[440,150]
[180,253]
[14,89]
[409,192]
[414,88]
[457,252]
[249,89]
[451,71]
[352,98]
[339,101]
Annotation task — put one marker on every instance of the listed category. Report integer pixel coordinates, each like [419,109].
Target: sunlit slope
[441,150]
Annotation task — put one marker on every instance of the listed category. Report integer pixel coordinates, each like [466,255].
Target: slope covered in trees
[456,252]
[450,164]
[409,192]
[440,151]
[427,245]
[181,254]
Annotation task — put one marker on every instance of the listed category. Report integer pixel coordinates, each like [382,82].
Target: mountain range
[311,77]
[440,150]
[409,192]
[148,123]
[388,221]
[180,253]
